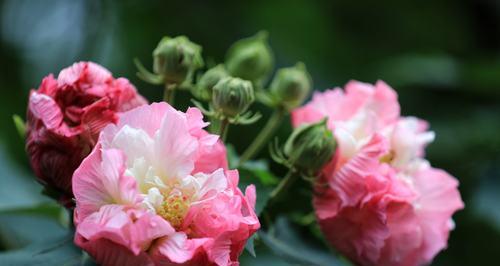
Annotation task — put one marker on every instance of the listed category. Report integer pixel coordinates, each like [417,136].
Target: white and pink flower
[379,201]
[156,191]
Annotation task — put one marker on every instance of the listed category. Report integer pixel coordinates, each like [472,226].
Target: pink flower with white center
[156,191]
[378,201]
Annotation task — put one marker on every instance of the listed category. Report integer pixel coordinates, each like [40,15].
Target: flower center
[387,158]
[174,207]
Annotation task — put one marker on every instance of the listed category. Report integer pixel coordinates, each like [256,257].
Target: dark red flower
[64,119]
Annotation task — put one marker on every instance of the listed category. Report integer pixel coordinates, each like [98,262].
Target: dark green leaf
[18,230]
[18,189]
[285,241]
[264,257]
[58,250]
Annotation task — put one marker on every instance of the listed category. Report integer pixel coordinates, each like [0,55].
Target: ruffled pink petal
[212,185]
[177,248]
[195,122]
[110,222]
[251,196]
[87,75]
[306,115]
[96,116]
[385,103]
[134,118]
[176,148]
[44,108]
[211,155]
[406,235]
[48,86]
[106,252]
[219,250]
[439,199]
[127,97]
[349,181]
[100,180]
[359,233]
[130,229]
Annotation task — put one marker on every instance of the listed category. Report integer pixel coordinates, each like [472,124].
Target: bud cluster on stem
[229,90]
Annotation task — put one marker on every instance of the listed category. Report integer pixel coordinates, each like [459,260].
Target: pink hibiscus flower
[156,191]
[378,201]
[65,116]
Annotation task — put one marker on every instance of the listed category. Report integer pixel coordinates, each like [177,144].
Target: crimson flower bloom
[65,116]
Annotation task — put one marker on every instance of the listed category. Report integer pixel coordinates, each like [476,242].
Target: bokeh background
[442,57]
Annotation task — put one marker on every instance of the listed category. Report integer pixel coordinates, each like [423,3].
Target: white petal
[134,142]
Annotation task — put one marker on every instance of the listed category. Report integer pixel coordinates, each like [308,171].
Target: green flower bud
[207,82]
[291,86]
[310,147]
[232,96]
[251,58]
[176,58]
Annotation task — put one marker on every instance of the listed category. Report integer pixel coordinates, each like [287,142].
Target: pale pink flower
[378,201]
[65,116]
[156,191]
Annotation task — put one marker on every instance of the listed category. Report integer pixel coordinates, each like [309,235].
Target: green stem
[223,129]
[214,125]
[169,93]
[71,223]
[264,135]
[285,183]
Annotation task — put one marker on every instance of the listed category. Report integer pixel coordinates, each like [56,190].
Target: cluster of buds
[308,149]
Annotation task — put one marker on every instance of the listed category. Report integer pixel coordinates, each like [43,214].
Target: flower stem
[169,93]
[223,129]
[266,132]
[285,183]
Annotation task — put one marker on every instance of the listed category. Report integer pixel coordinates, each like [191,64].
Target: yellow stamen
[174,208]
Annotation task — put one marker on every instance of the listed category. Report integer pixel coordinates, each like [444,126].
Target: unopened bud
[291,86]
[310,147]
[232,96]
[176,58]
[207,82]
[251,58]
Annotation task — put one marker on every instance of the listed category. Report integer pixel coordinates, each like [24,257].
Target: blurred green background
[442,57]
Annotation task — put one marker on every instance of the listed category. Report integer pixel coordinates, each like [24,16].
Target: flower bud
[207,82]
[250,58]
[291,86]
[176,58]
[232,96]
[310,147]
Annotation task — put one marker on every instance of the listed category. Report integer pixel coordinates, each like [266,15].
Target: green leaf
[265,257]
[18,230]
[147,76]
[285,241]
[232,156]
[18,190]
[58,250]
[250,247]
[260,169]
[20,125]
[249,177]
